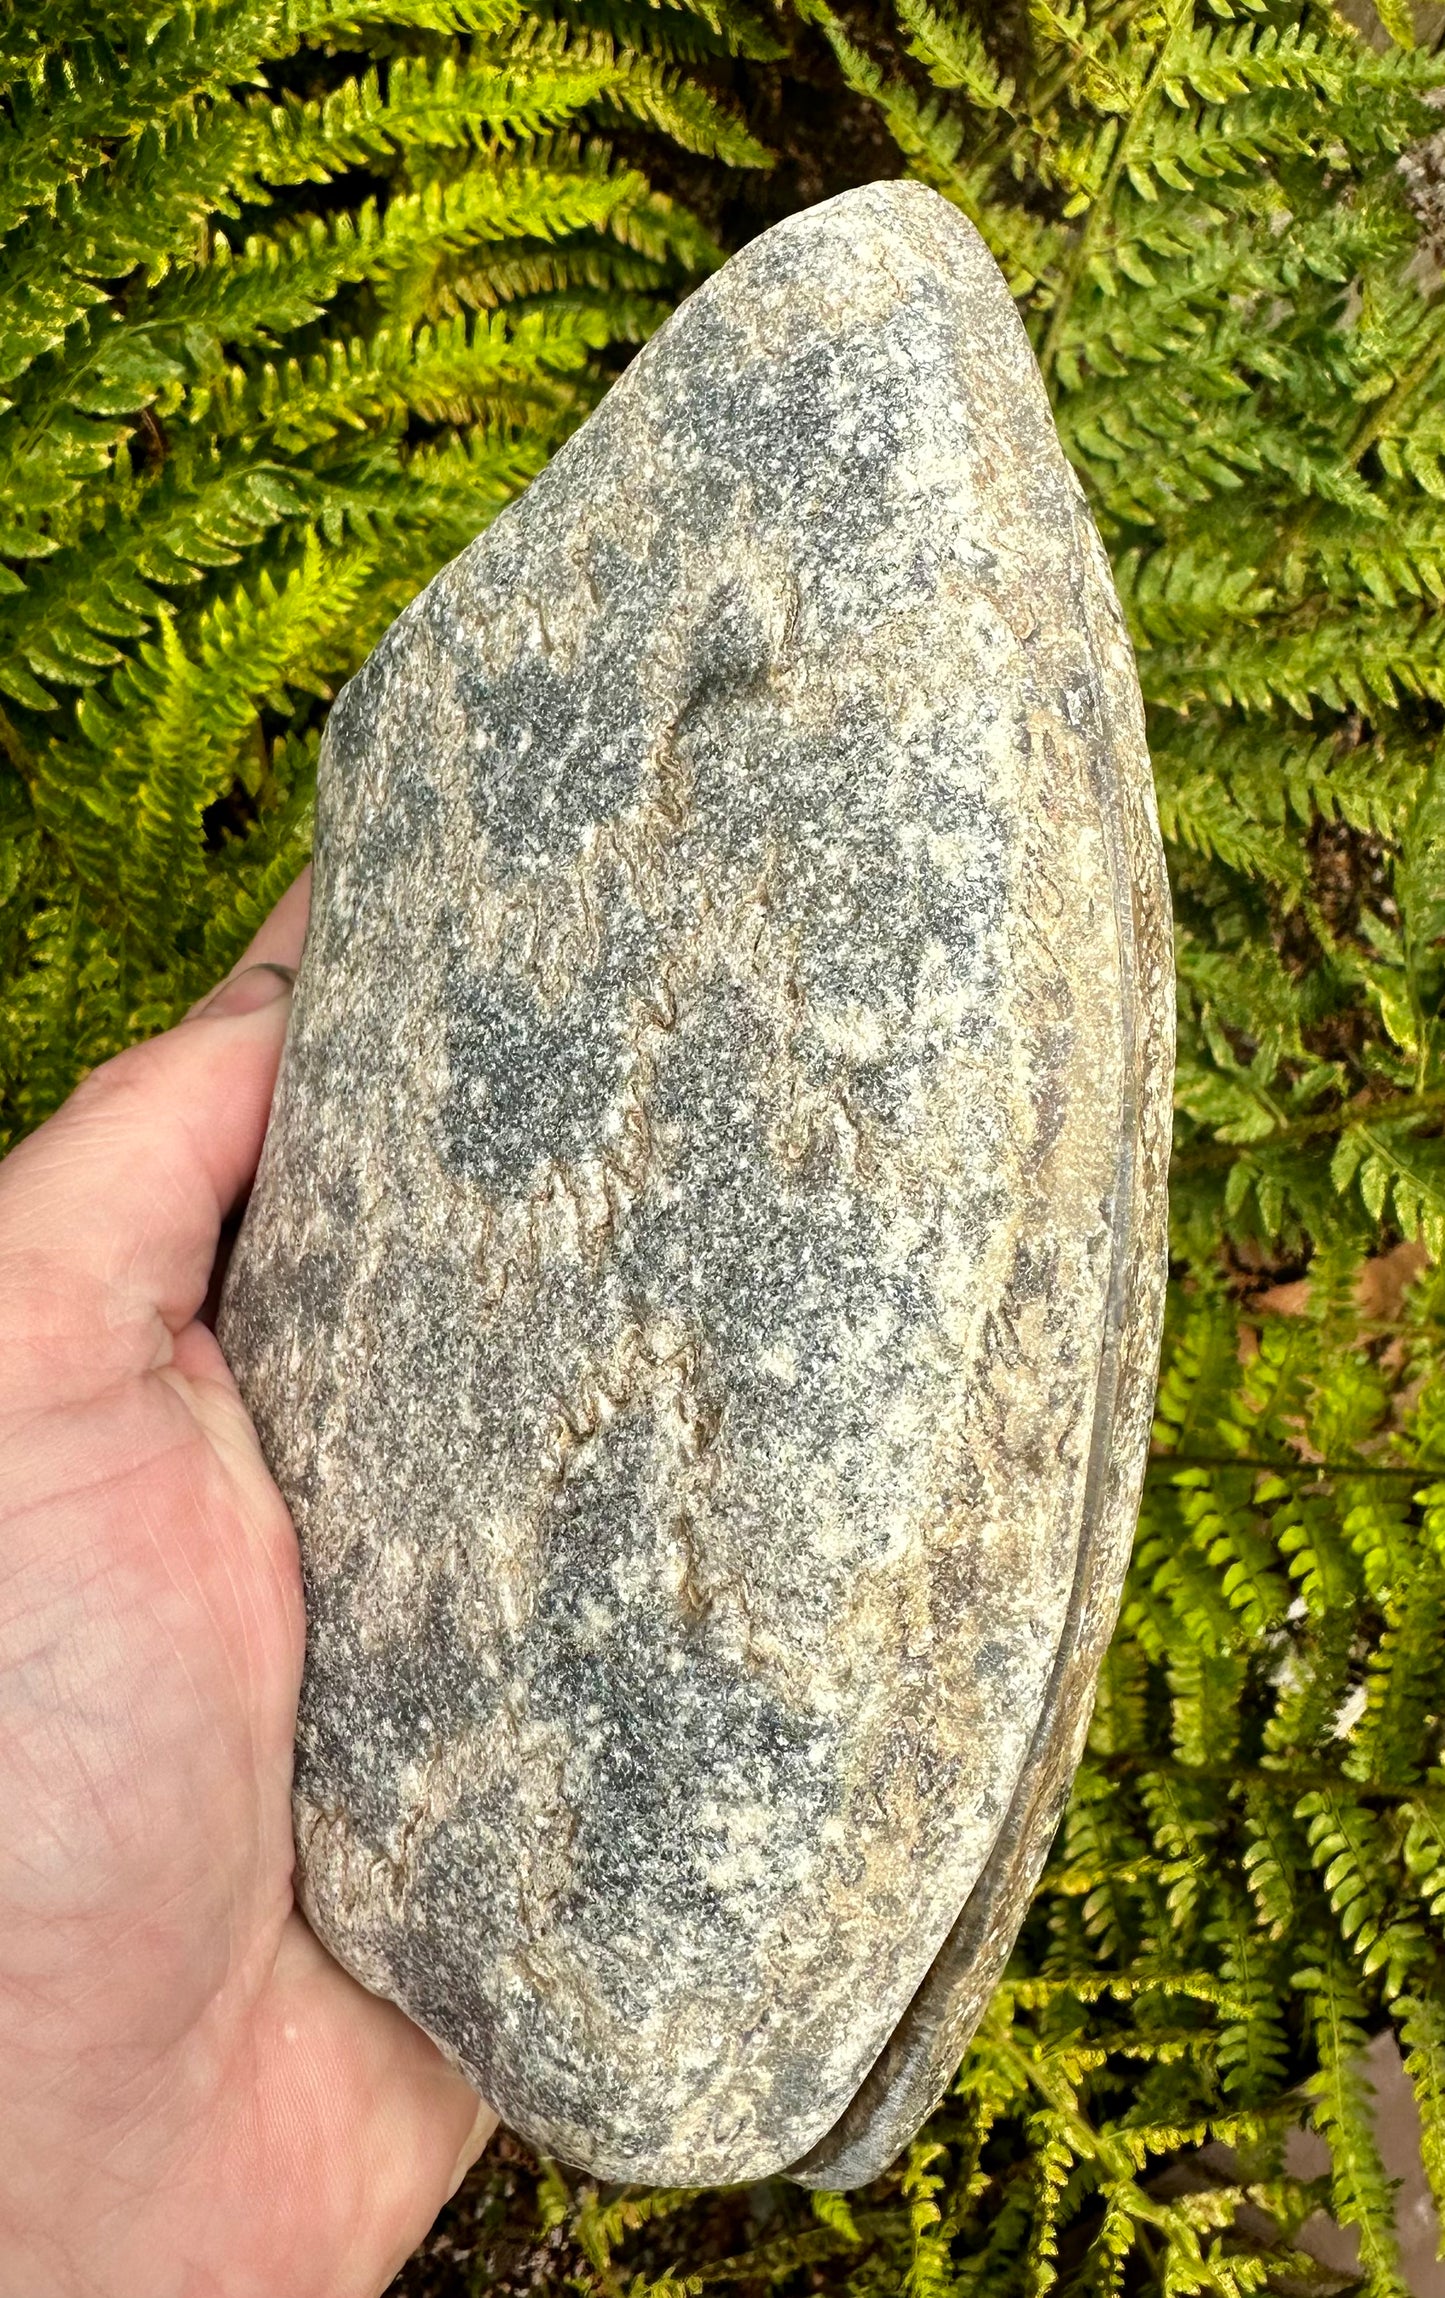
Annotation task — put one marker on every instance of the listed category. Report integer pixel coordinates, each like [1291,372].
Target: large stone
[701,1295]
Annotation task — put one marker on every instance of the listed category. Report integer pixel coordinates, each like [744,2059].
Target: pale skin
[195,2101]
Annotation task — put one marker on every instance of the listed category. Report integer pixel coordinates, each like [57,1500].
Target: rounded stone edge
[916,2065]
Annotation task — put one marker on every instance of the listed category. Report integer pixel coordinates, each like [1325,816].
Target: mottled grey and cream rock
[701,1295]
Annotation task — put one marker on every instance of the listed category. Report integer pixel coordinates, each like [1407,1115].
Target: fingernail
[247,992]
[476,2140]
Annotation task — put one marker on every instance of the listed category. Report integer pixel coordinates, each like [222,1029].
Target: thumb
[111,1212]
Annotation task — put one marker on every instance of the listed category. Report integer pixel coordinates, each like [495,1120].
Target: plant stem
[1181,14]
[1167,1462]
[1395,398]
[1291,1782]
[1402,1110]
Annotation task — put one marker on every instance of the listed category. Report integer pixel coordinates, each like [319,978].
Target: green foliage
[295,296]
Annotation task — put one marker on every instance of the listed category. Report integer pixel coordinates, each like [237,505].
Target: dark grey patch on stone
[701,1293]
[552,753]
[529,1083]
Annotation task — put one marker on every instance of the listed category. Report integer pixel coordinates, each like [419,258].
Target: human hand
[195,2101]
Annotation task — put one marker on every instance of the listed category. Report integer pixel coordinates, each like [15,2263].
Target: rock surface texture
[701,1295]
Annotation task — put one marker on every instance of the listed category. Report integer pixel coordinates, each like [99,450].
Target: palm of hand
[194,2099]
